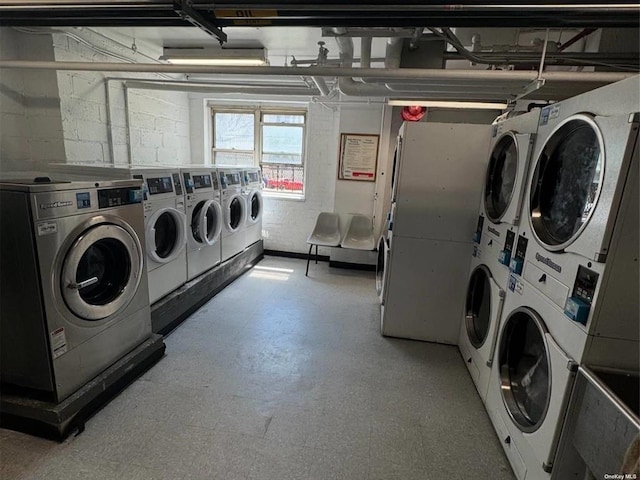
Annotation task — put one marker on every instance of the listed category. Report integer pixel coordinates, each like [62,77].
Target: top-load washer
[204,219]
[504,184]
[164,215]
[579,243]
[233,211]
[253,198]
[74,284]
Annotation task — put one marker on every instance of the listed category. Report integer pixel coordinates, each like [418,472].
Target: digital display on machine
[202,181]
[254,177]
[233,178]
[178,183]
[83,200]
[115,197]
[159,185]
[216,185]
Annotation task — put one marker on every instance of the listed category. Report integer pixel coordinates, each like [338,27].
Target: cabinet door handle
[85,283]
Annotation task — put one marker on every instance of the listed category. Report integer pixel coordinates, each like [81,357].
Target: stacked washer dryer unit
[233,212]
[573,291]
[204,219]
[74,285]
[253,198]
[164,218]
[500,206]
[433,216]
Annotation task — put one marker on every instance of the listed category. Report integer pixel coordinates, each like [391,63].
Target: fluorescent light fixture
[443,104]
[216,56]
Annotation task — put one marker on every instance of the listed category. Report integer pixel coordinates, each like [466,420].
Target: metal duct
[322,85]
[393,52]
[365,52]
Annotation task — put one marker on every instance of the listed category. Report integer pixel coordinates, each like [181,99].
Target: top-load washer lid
[255,206]
[501,175]
[165,235]
[567,181]
[101,271]
[206,222]
[525,369]
[478,306]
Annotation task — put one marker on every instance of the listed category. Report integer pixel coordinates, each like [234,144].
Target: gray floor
[282,377]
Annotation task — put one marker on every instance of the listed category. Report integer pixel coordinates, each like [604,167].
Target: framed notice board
[358,157]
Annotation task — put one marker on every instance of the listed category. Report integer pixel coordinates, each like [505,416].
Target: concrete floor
[282,377]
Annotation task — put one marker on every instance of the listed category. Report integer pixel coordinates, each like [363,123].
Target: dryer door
[501,177]
[254,206]
[206,222]
[101,271]
[525,369]
[482,307]
[165,235]
[235,213]
[567,182]
[381,265]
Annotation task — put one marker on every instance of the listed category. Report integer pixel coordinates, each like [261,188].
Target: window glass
[234,131]
[281,118]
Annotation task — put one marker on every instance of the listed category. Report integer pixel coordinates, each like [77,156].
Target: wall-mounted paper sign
[358,157]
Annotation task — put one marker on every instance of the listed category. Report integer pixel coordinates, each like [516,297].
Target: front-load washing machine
[579,243]
[252,192]
[531,379]
[234,212]
[74,284]
[164,218]
[480,322]
[204,220]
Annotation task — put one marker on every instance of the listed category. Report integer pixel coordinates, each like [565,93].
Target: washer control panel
[504,257]
[517,262]
[579,303]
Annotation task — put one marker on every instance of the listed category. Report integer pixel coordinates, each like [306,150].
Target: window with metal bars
[273,139]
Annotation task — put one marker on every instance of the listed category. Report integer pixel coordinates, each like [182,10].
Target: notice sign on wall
[358,157]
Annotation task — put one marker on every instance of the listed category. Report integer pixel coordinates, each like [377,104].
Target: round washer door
[255,206]
[101,271]
[524,367]
[501,175]
[165,235]
[478,306]
[235,213]
[206,222]
[566,182]
[381,264]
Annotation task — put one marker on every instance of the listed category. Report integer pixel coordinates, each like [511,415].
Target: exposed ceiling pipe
[322,86]
[415,38]
[205,88]
[365,52]
[386,74]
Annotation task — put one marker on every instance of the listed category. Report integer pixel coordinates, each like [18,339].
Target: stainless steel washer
[74,283]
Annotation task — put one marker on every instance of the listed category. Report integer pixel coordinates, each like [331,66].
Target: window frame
[259,112]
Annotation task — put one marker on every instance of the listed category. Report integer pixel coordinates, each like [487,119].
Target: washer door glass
[205,222]
[478,306]
[501,177]
[566,182]
[255,206]
[524,369]
[101,272]
[166,234]
[235,213]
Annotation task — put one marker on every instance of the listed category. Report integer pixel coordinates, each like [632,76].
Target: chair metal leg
[306,274]
[316,254]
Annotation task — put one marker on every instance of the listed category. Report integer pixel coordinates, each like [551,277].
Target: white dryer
[504,184]
[234,212]
[252,192]
[480,322]
[530,383]
[74,284]
[204,219]
[579,243]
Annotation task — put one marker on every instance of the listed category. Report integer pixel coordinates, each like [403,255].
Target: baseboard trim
[353,266]
[302,256]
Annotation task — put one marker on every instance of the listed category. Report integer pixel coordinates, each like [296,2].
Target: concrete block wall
[152,127]
[31,133]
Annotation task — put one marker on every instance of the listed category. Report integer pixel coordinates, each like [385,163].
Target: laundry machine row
[572,291]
